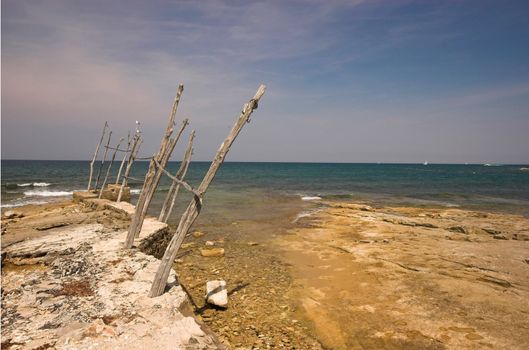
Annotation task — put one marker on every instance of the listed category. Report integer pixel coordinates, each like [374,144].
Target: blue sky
[348,81]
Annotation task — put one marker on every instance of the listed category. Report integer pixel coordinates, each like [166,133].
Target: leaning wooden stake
[133,153]
[158,174]
[170,199]
[103,161]
[109,167]
[95,156]
[137,218]
[193,209]
[124,158]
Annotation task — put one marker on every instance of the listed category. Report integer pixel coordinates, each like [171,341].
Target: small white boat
[425,162]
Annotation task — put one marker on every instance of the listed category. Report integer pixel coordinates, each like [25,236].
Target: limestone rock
[499,236]
[111,193]
[216,293]
[80,196]
[210,243]
[520,237]
[11,214]
[214,252]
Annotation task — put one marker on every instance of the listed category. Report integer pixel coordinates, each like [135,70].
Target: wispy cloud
[331,65]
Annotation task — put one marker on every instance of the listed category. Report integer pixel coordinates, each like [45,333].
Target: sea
[266,192]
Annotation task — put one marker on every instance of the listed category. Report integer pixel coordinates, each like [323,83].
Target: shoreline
[352,275]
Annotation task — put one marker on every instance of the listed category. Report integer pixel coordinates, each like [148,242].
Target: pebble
[198,234]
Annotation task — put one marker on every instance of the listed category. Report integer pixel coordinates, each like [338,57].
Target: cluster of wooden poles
[158,163]
[129,157]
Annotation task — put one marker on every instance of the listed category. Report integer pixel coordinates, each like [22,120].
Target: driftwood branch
[102,161]
[170,199]
[109,167]
[145,194]
[194,207]
[124,158]
[95,155]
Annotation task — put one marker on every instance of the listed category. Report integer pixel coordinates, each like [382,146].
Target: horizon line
[288,162]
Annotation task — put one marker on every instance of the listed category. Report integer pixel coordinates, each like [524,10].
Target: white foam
[19,204]
[310,198]
[47,193]
[135,191]
[34,184]
[305,214]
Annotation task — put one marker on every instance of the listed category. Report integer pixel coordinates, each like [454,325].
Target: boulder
[216,293]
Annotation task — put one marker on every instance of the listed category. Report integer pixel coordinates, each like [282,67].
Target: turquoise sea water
[259,189]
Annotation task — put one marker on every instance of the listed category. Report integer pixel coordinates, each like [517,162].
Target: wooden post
[194,207]
[103,161]
[124,157]
[109,167]
[170,199]
[95,155]
[133,153]
[137,219]
[157,175]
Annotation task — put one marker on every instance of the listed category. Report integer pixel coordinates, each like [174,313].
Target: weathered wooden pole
[137,219]
[133,153]
[109,167]
[194,207]
[103,161]
[157,175]
[124,157]
[170,199]
[95,155]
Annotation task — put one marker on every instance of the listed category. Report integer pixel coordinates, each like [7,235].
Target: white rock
[216,293]
[210,243]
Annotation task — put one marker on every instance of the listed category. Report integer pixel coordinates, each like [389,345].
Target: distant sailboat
[425,162]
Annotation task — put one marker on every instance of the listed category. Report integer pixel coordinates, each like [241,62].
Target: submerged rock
[198,234]
[212,252]
[216,293]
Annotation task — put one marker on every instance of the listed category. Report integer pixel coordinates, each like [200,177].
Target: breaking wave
[47,193]
[34,184]
[310,198]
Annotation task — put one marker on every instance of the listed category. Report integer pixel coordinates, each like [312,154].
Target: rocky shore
[411,278]
[348,276]
[75,287]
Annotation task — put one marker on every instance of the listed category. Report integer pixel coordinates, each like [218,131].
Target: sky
[347,81]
